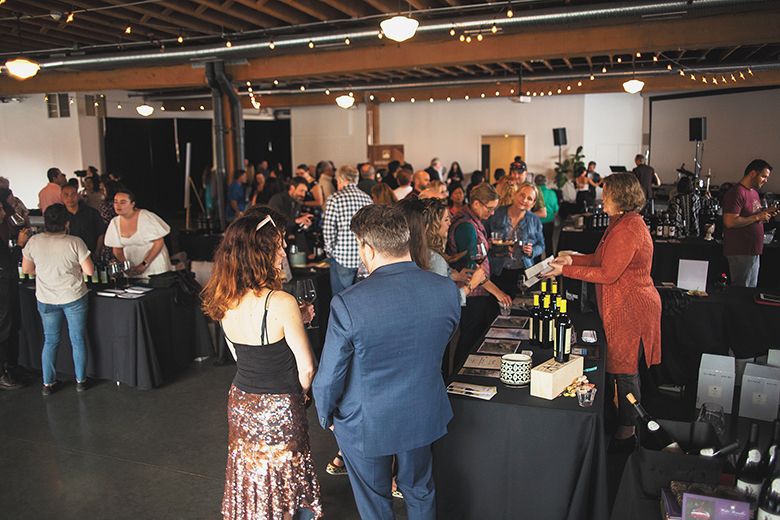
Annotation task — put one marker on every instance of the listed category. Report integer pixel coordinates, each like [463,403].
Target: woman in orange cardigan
[628,302]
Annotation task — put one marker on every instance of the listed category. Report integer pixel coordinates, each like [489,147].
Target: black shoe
[7,382]
[47,390]
[81,386]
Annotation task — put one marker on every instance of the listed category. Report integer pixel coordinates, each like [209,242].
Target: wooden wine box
[550,378]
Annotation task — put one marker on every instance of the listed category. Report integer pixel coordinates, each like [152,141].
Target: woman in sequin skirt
[270,473]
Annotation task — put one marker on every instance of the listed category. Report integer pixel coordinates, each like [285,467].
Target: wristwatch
[144,263]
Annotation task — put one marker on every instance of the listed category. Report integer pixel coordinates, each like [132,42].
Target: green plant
[564,170]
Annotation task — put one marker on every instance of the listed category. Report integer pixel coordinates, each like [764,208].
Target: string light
[371,97]
[704,79]
[311,44]
[527,92]
[181,108]
[498,93]
[412,100]
[303,88]
[604,69]
[468,39]
[655,59]
[568,87]
[202,107]
[549,92]
[118,106]
[347,41]
[430,100]
[669,67]
[533,94]
[449,99]
[639,55]
[682,73]
[452,31]
[592,77]
[327,92]
[715,80]
[620,60]
[733,78]
[723,79]
[248,83]
[693,77]
[480,37]
[128,30]
[228,44]
[70,17]
[509,12]
[276,82]
[494,29]
[380,35]
[541,94]
[466,97]
[750,71]
[558,91]
[741,75]
[271,45]
[162,108]
[511,91]
[180,39]
[482,95]
[392,99]
[579,83]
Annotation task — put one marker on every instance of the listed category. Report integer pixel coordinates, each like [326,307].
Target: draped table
[518,456]
[143,342]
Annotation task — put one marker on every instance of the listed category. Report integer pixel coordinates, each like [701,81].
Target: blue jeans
[75,313]
[340,277]
[743,270]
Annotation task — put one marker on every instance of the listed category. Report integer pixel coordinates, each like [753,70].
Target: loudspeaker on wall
[697,129]
[559,136]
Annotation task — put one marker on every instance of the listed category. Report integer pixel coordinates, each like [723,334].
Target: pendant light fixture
[399,28]
[633,86]
[21,68]
[345,101]
[144,110]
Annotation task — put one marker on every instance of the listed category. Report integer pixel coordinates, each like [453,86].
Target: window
[94,105]
[57,105]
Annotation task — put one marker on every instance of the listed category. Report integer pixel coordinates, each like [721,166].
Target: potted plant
[565,169]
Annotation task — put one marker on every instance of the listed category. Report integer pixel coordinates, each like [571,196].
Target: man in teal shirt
[551,203]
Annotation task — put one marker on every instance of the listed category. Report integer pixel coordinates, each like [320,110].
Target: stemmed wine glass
[480,254]
[305,293]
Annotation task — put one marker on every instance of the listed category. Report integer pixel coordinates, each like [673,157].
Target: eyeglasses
[265,221]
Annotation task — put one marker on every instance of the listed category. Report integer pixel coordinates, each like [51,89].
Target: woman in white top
[137,235]
[60,262]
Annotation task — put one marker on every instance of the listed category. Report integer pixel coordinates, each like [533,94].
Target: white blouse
[150,228]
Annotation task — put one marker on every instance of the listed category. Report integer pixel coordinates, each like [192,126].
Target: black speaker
[559,136]
[697,129]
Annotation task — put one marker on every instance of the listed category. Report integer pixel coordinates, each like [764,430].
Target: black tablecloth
[667,255]
[714,324]
[142,343]
[518,456]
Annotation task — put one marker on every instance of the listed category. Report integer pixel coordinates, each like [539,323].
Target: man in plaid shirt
[340,243]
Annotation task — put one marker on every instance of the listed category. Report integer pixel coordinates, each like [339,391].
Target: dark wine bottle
[533,327]
[771,451]
[652,434]
[769,499]
[547,325]
[751,466]
[562,333]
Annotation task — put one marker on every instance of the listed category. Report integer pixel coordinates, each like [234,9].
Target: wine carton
[716,381]
[760,395]
[550,378]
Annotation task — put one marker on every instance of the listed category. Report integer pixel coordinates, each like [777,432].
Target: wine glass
[713,413]
[309,295]
[480,254]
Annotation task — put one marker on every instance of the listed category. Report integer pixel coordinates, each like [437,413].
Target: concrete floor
[121,453]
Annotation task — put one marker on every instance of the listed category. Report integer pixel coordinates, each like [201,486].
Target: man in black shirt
[646,176]
[288,203]
[85,221]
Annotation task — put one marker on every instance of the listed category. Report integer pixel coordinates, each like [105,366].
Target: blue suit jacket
[379,379]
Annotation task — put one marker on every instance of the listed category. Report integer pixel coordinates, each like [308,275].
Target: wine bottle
[544,287]
[771,451]
[533,332]
[103,274]
[751,468]
[769,499]
[562,333]
[652,434]
[545,324]
[95,276]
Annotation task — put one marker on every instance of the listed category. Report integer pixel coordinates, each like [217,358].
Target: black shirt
[87,225]
[646,175]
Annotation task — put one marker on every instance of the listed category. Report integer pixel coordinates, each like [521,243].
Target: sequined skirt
[270,472]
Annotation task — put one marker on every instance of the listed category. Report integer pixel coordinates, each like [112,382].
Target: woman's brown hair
[433,212]
[412,210]
[244,261]
[625,191]
[382,194]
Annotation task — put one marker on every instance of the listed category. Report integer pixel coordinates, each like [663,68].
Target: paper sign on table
[516,334]
[498,347]
[692,275]
[481,372]
[510,322]
[533,273]
[480,392]
[489,362]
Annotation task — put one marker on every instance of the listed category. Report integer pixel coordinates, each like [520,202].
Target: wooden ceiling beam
[527,66]
[730,52]
[31,37]
[384,6]
[214,18]
[279,11]
[250,15]
[83,37]
[567,61]
[752,28]
[349,7]
[321,12]
[485,68]
[187,23]
[754,51]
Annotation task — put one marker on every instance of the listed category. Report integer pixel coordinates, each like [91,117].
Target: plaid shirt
[340,243]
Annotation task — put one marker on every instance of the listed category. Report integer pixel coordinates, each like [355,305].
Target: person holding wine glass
[518,223]
[468,235]
[628,302]
[138,235]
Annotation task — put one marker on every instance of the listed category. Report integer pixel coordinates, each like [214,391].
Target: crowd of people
[394,239]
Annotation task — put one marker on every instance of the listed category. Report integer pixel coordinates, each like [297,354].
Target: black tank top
[268,368]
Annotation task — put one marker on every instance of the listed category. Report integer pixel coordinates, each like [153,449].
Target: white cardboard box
[716,381]
[760,395]
[550,378]
[773,358]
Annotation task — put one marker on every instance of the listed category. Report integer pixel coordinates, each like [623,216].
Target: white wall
[31,143]
[613,129]
[740,127]
[328,132]
[609,126]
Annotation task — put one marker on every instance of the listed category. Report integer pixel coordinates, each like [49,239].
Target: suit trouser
[371,479]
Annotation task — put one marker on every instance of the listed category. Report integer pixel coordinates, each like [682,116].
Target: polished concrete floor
[120,453]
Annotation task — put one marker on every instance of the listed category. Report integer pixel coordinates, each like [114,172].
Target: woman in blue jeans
[60,262]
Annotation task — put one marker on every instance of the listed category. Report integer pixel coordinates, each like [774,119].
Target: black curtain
[143,153]
[197,132]
[270,141]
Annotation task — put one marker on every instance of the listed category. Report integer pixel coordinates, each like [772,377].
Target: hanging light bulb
[480,37]
[430,100]
[579,83]
[693,77]
[541,94]
[714,80]
[533,94]
[527,92]
[347,41]
[128,30]
[682,73]
[733,78]
[392,99]
[669,67]
[311,44]
[22,68]
[509,12]
[549,92]
[144,110]
[639,55]
[449,99]
[633,86]
[345,101]
[723,79]
[498,93]
[568,87]
[620,60]
[703,79]
[412,100]
[371,97]
[741,75]
[603,69]
[466,97]
[327,92]
[468,39]
[162,108]
[202,107]
[558,91]
[351,94]
[482,95]
[494,29]
[750,71]
[276,82]
[399,28]
[181,108]
[592,77]
[511,91]
[655,59]
[380,35]
[452,31]
[119,106]
[70,17]
[303,88]
[462,37]
[271,45]
[180,39]
[228,44]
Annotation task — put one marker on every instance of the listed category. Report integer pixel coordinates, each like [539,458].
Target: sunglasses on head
[265,221]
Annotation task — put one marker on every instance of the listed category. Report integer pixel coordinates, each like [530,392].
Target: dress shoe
[7,382]
[47,390]
[81,386]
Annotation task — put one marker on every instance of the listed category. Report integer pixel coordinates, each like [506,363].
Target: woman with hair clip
[270,473]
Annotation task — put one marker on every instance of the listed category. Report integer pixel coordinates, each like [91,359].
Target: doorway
[498,151]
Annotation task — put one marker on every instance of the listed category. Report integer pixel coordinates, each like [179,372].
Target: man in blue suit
[379,384]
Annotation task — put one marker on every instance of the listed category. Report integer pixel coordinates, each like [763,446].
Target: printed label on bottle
[653,426]
[772,449]
[531,330]
[763,515]
[551,330]
[776,486]
[567,342]
[103,276]
[21,273]
[754,456]
[751,490]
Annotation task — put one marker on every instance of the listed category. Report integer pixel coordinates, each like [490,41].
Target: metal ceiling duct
[236,114]
[557,16]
